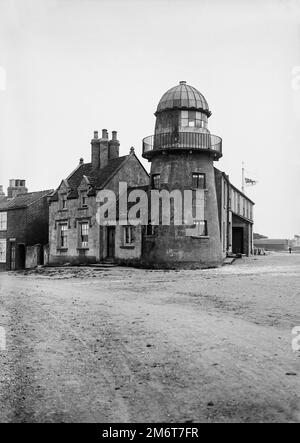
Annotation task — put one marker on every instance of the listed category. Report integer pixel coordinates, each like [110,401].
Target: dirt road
[128,345]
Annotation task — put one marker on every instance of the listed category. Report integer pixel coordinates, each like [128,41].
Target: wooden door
[13,256]
[111,236]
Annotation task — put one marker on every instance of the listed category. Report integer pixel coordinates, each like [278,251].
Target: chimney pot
[96,135]
[114,135]
[16,186]
[104,133]
[132,150]
[81,161]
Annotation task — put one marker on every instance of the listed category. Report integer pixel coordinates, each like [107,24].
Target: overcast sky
[69,67]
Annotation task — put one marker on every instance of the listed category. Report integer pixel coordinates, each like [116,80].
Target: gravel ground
[113,344]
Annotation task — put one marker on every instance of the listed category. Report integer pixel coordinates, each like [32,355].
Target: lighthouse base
[168,250]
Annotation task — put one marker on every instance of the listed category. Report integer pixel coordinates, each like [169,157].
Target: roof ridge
[33,192]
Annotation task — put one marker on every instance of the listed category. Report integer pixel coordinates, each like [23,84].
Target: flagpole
[243,178]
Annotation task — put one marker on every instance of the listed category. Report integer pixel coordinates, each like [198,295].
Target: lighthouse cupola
[182,123]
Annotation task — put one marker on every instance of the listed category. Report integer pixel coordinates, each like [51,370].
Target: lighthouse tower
[182,153]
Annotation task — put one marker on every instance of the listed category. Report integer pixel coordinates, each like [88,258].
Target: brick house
[24,219]
[74,233]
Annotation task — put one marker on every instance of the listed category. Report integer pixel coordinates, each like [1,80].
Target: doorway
[111,235]
[12,256]
[238,240]
[22,256]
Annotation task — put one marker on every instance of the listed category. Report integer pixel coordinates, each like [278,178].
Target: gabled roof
[24,200]
[232,186]
[96,177]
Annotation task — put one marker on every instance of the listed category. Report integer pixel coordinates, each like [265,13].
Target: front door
[13,256]
[238,240]
[111,234]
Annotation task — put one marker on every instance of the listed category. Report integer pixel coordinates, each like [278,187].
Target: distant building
[295,243]
[270,244]
[24,219]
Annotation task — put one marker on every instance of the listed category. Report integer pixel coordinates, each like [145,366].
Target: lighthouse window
[155,181]
[199,181]
[193,119]
[128,235]
[201,228]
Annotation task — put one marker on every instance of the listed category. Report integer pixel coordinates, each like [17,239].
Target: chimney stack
[16,187]
[95,144]
[2,194]
[114,146]
[104,149]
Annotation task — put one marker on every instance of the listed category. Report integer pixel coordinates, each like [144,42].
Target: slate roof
[25,200]
[97,178]
[3,203]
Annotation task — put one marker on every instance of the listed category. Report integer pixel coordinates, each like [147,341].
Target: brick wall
[3,236]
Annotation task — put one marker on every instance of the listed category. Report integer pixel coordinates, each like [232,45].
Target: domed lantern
[181,123]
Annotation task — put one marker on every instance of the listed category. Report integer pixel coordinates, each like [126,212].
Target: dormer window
[63,201]
[83,199]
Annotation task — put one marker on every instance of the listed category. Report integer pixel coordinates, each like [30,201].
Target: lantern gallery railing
[182,141]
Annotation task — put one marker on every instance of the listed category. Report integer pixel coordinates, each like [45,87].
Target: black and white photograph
[149,214]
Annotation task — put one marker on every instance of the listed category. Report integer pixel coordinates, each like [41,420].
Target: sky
[69,67]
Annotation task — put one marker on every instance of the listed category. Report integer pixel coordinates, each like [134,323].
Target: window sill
[200,189]
[82,208]
[83,249]
[206,237]
[63,210]
[62,249]
[127,247]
